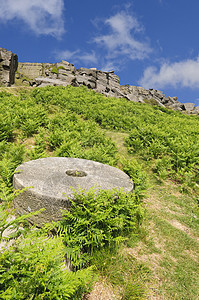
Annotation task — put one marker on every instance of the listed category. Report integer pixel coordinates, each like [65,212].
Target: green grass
[171,246]
[126,274]
[157,147]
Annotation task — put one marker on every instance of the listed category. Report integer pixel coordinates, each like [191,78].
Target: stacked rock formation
[106,83]
[8,67]
[64,73]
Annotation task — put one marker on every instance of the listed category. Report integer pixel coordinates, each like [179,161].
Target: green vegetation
[22,80]
[98,221]
[171,242]
[101,235]
[54,70]
[33,269]
[61,67]
[150,101]
[167,138]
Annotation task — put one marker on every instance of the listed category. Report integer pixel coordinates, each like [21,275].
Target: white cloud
[78,56]
[179,74]
[122,40]
[66,54]
[43,17]
[110,65]
[88,57]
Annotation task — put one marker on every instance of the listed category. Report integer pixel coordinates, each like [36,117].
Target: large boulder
[30,70]
[46,81]
[188,107]
[53,179]
[8,67]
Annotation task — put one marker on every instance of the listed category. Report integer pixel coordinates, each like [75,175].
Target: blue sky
[149,43]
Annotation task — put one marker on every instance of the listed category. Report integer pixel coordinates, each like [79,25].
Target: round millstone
[49,180]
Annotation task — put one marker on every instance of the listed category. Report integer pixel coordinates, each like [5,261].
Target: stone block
[188,106]
[64,65]
[30,70]
[44,81]
[102,76]
[68,77]
[8,67]
[52,180]
[132,97]
[87,72]
[100,87]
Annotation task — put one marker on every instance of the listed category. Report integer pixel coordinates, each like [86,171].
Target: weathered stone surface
[113,80]
[106,83]
[177,106]
[53,177]
[102,79]
[31,70]
[64,65]
[8,67]
[45,81]
[87,72]
[139,94]
[172,99]
[64,73]
[188,106]
[67,77]
[87,81]
[101,88]
[196,110]
[132,97]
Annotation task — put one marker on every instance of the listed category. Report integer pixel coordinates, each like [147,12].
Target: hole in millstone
[76,173]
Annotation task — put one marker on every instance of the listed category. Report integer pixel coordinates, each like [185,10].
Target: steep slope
[157,147]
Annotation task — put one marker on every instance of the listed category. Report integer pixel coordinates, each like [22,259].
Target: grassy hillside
[156,147]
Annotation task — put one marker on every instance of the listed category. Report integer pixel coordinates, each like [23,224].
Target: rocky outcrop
[151,96]
[64,73]
[195,110]
[8,67]
[188,107]
[106,83]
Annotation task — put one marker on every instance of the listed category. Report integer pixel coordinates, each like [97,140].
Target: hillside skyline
[150,44]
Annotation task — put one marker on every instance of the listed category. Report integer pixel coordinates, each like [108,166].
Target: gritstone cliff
[64,73]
